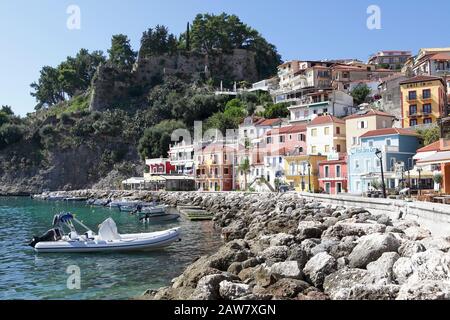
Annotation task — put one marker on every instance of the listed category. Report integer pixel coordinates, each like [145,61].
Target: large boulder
[345,228]
[338,285]
[231,291]
[402,270]
[431,265]
[275,254]
[309,229]
[208,286]
[425,290]
[410,248]
[281,239]
[299,255]
[371,247]
[439,243]
[287,269]
[416,233]
[381,269]
[283,289]
[318,267]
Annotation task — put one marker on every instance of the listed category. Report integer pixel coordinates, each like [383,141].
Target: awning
[437,158]
[133,181]
[156,179]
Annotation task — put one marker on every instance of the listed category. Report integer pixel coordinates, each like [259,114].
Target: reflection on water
[26,275]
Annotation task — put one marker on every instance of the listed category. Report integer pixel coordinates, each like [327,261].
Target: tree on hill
[429,135]
[158,41]
[156,140]
[273,111]
[121,54]
[360,93]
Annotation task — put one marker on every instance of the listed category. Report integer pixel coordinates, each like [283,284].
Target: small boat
[75,199]
[158,217]
[98,202]
[123,203]
[107,240]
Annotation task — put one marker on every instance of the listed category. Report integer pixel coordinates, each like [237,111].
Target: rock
[384,219]
[288,269]
[382,268]
[299,255]
[439,243]
[405,224]
[402,270]
[232,291]
[286,288]
[313,295]
[208,286]
[235,268]
[370,292]
[236,230]
[343,248]
[425,290]
[281,239]
[275,254]
[308,244]
[416,233]
[343,229]
[247,274]
[324,246]
[309,229]
[371,247]
[234,251]
[409,248]
[263,276]
[318,267]
[339,284]
[432,264]
[250,263]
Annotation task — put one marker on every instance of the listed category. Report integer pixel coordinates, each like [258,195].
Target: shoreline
[286,246]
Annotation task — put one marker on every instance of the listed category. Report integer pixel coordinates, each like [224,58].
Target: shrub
[10,134]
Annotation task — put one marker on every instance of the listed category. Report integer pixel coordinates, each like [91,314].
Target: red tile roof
[421,79]
[325,120]
[369,113]
[269,122]
[288,129]
[440,56]
[435,146]
[389,131]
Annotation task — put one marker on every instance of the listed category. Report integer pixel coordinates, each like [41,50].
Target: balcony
[414,114]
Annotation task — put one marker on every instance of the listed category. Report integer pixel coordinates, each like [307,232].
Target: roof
[369,113]
[288,129]
[421,79]
[435,146]
[325,120]
[440,56]
[437,158]
[268,122]
[389,131]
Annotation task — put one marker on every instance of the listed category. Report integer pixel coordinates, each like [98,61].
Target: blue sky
[34,33]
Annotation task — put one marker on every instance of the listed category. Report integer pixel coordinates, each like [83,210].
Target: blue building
[364,167]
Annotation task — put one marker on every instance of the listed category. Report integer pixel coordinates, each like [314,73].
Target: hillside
[97,116]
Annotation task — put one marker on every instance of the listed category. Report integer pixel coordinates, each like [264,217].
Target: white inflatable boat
[107,240]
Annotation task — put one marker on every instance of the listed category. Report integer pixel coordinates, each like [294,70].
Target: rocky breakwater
[287,247]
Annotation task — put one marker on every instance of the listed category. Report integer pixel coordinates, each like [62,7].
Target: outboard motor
[50,235]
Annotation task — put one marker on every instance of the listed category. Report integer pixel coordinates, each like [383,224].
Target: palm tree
[245,167]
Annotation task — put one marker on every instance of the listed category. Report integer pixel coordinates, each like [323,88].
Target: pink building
[288,138]
[159,166]
[333,174]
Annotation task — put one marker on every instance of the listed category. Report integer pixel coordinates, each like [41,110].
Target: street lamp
[379,155]
[309,176]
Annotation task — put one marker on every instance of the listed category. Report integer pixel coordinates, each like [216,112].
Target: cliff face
[111,86]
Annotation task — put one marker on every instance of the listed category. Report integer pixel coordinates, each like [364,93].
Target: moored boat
[107,240]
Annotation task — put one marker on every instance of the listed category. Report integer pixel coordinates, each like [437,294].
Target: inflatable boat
[107,240]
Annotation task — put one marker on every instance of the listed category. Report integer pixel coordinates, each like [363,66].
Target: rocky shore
[282,246]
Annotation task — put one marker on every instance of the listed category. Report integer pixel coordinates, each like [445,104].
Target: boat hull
[161,217]
[128,243]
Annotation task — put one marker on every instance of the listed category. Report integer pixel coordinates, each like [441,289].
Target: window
[301,137]
[338,171]
[368,165]
[384,124]
[412,109]
[338,130]
[412,95]
[426,94]
[357,164]
[281,139]
[290,137]
[226,171]
[280,160]
[362,125]
[339,187]
[327,131]
[326,171]
[413,122]
[355,141]
[427,121]
[388,142]
[313,149]
[427,109]
[314,132]
[371,143]
[269,140]
[392,164]
[338,148]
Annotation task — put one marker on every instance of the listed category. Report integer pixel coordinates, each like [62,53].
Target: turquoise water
[27,275]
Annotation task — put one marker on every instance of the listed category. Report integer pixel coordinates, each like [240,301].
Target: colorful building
[424,100]
[397,146]
[214,165]
[181,156]
[392,59]
[333,174]
[159,166]
[364,121]
[326,135]
[302,171]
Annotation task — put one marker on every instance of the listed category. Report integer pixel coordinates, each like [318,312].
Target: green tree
[360,93]
[158,41]
[7,110]
[429,135]
[121,54]
[245,168]
[10,134]
[48,90]
[156,140]
[279,110]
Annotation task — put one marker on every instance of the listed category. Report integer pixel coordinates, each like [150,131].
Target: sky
[35,33]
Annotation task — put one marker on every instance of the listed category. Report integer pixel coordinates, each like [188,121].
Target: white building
[181,156]
[322,102]
[326,135]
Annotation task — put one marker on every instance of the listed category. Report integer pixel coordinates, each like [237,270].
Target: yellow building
[423,100]
[302,171]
